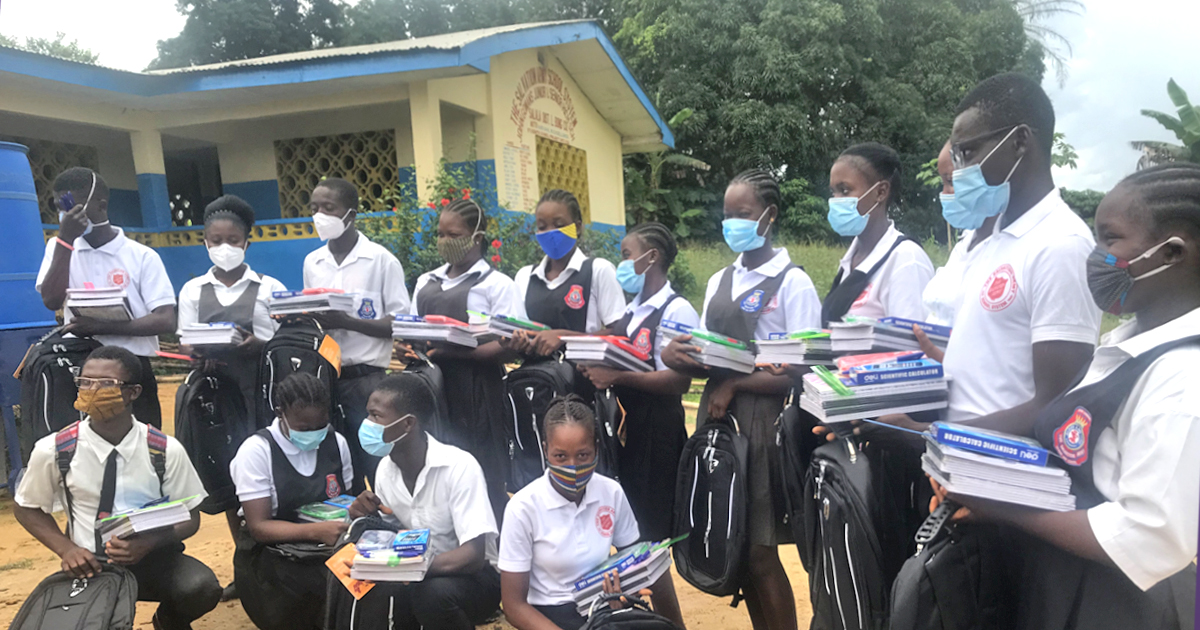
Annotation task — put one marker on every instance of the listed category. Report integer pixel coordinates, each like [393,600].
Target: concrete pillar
[426,113]
[151,178]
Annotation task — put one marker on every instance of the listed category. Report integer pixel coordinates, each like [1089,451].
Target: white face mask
[226,257]
[328,226]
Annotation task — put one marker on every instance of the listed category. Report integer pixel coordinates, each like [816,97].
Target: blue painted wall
[262,195]
[124,207]
[152,193]
[282,260]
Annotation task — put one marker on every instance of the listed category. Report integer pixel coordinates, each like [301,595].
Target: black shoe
[158,624]
[230,592]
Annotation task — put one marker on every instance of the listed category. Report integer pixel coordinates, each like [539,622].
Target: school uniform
[449,498]
[126,263]
[186,588]
[1025,284]
[749,304]
[474,390]
[943,293]
[556,542]
[277,591]
[887,283]
[654,431]
[372,272]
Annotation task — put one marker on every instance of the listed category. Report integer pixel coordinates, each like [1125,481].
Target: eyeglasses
[958,159]
[83,382]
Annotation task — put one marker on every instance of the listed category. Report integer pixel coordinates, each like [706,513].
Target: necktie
[108,494]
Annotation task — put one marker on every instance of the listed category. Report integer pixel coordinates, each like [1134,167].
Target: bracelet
[64,243]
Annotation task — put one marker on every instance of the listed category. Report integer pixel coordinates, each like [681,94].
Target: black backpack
[105,601]
[635,615]
[956,581]
[608,424]
[796,445]
[710,506]
[848,586]
[342,611]
[530,389]
[294,348]
[48,389]
[430,376]
[211,423]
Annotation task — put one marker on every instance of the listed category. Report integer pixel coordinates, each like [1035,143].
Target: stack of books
[155,515]
[336,509]
[615,352]
[874,389]
[434,328]
[212,334]
[863,334]
[108,305]
[976,462]
[504,326]
[311,301]
[715,350]
[637,567]
[806,347]
[386,556]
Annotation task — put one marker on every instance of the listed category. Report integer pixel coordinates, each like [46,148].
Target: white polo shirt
[372,272]
[1145,462]
[895,290]
[944,291]
[606,302]
[251,467]
[1025,284]
[137,483]
[794,307]
[496,294]
[557,542]
[680,311]
[121,262]
[449,498]
[189,299]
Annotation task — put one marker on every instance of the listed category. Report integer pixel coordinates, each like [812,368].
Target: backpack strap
[65,443]
[156,442]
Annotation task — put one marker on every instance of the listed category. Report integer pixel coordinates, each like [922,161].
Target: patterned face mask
[572,480]
[454,250]
[100,404]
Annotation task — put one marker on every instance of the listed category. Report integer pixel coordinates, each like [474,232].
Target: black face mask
[1109,279]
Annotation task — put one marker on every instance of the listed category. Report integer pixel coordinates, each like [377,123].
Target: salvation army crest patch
[862,297]
[753,302]
[366,310]
[642,340]
[1000,289]
[333,488]
[605,521]
[574,297]
[1071,439]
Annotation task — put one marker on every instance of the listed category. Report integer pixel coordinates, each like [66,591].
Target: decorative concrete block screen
[367,158]
[48,159]
[563,166]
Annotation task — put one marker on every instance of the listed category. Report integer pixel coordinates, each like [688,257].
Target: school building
[535,106]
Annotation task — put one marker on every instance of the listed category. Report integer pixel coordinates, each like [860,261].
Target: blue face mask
[742,234]
[305,440]
[954,212]
[844,217]
[977,199]
[558,243]
[370,437]
[630,280]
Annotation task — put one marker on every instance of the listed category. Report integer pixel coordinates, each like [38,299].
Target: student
[296,461]
[474,378]
[352,262]
[564,524]
[87,251]
[424,484]
[1127,431]
[760,293]
[113,469]
[884,272]
[567,291]
[653,401]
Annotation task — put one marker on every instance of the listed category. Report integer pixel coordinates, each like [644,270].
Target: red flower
[466,193]
[496,244]
[451,190]
[445,202]
[496,258]
[394,209]
[432,206]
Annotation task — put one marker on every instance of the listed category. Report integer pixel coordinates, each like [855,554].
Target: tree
[1064,154]
[371,21]
[227,30]
[679,207]
[57,47]
[1083,202]
[1047,41]
[1186,128]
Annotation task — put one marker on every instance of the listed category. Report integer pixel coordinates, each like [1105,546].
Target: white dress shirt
[794,307]
[496,294]
[680,311]
[189,299]
[449,498]
[895,290]
[251,467]
[606,302]
[944,291]
[121,262]
[137,483]
[372,272]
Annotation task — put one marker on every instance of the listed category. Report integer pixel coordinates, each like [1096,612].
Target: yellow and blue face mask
[560,242]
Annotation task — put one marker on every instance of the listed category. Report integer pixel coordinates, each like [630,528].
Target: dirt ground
[24,562]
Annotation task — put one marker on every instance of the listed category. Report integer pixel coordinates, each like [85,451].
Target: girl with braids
[884,272]
[297,460]
[567,291]
[1128,430]
[474,378]
[760,293]
[652,401]
[564,524]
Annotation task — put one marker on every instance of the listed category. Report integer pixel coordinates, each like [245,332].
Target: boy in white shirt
[89,251]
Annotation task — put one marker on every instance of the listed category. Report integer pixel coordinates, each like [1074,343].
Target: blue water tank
[21,242]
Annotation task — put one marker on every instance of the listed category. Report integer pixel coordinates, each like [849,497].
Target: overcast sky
[1124,52]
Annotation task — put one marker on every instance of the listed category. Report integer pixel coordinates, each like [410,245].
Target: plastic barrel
[21,242]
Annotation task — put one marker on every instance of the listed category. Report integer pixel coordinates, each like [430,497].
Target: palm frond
[1170,122]
[679,159]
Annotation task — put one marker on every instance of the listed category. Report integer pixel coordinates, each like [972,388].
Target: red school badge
[333,488]
[862,297]
[605,520]
[1071,439]
[118,278]
[574,297]
[1000,289]
[642,340]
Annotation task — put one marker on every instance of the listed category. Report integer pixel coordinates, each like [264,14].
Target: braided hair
[570,410]
[231,208]
[470,212]
[882,161]
[1171,193]
[301,389]
[655,235]
[567,199]
[765,187]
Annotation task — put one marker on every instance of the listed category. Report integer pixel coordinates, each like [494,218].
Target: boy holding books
[117,463]
[90,253]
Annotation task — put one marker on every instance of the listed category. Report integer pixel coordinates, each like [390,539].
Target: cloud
[124,33]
